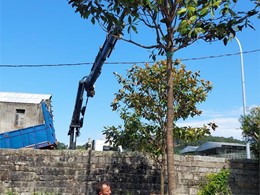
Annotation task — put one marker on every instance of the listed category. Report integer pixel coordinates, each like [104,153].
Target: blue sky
[49,32]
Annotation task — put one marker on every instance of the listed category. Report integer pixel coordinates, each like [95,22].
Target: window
[19,117]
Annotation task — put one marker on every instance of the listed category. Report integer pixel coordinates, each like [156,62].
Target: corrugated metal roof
[23,97]
[189,149]
[210,145]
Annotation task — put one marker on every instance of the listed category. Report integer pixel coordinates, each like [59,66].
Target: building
[189,150]
[219,148]
[215,149]
[21,110]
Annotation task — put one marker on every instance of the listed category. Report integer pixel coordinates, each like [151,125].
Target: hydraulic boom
[86,84]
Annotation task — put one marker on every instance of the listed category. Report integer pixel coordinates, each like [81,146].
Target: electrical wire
[134,62]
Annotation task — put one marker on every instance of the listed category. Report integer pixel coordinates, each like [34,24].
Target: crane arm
[87,84]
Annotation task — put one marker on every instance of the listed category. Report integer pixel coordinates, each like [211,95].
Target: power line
[222,55]
[134,62]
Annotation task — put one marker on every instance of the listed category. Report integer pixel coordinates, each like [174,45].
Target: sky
[50,32]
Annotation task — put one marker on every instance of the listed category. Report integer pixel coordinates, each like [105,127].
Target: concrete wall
[33,115]
[28,171]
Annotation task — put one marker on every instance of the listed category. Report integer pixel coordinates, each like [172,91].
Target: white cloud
[228,127]
[235,112]
[227,122]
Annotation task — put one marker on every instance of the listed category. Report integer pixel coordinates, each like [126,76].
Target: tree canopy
[175,25]
[250,124]
[142,105]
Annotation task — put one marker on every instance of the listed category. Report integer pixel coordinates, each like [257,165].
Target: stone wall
[29,171]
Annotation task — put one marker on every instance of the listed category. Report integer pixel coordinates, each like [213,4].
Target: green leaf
[191,9]
[232,12]
[225,41]
[204,12]
[217,4]
[93,20]
[190,33]
[182,10]
[199,30]
[251,26]
[128,29]
[212,12]
[134,29]
[183,24]
[129,19]
[154,57]
[193,18]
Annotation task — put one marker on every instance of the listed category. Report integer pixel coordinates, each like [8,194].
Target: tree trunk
[162,173]
[169,133]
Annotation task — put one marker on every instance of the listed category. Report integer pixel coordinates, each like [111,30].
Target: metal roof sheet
[23,97]
[210,145]
[189,149]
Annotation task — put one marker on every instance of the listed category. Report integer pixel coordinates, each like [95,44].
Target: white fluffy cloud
[227,122]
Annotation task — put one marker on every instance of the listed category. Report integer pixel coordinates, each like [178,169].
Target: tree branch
[142,46]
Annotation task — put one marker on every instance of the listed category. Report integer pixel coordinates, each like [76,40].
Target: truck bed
[40,136]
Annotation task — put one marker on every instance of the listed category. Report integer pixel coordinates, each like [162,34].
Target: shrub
[216,184]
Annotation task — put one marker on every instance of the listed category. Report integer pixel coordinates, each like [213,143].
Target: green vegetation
[250,124]
[142,105]
[216,184]
[173,25]
[10,192]
[61,146]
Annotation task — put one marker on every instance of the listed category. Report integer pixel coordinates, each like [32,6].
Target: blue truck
[39,136]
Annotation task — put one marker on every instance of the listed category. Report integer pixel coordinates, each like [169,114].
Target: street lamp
[243,92]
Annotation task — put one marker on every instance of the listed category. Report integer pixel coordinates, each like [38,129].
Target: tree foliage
[61,146]
[250,124]
[216,183]
[175,25]
[142,105]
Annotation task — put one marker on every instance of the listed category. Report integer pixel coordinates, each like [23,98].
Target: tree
[142,105]
[176,24]
[250,124]
[61,146]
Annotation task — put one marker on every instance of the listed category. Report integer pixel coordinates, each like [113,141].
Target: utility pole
[243,92]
